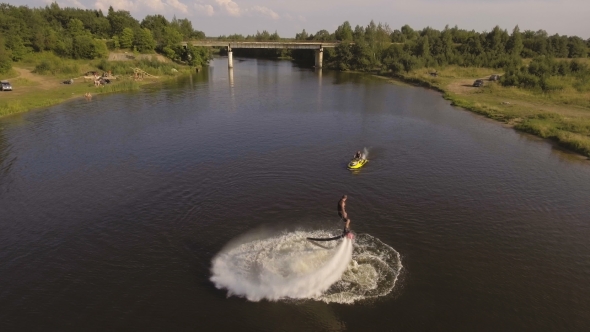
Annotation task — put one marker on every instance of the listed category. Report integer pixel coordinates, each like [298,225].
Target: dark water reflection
[111,210]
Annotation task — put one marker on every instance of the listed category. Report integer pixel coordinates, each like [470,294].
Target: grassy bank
[562,116]
[35,97]
[37,82]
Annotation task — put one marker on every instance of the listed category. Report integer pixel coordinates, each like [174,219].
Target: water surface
[112,210]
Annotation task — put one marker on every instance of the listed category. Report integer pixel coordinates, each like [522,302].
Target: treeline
[257,52]
[547,74]
[259,36]
[89,34]
[377,47]
[407,49]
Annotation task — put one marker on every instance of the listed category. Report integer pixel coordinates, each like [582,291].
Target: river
[114,211]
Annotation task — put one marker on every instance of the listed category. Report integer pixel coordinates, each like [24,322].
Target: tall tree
[514,45]
[5,57]
[126,38]
[302,36]
[344,32]
[144,41]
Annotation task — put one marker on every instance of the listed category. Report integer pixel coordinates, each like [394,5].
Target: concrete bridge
[317,46]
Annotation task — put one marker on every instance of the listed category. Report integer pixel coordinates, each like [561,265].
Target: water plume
[288,266]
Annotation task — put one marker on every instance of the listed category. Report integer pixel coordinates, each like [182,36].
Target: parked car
[5,86]
[478,83]
[495,77]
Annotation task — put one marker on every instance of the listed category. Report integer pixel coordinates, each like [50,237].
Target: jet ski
[357,163]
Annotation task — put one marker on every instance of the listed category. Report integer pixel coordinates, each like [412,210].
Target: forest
[529,59]
[89,34]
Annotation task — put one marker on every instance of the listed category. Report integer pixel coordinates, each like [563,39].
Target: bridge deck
[279,45]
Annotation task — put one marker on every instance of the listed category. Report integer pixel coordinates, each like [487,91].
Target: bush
[52,65]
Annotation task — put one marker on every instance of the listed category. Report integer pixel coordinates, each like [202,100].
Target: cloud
[204,9]
[117,5]
[229,7]
[155,5]
[264,11]
[67,3]
[177,5]
[152,6]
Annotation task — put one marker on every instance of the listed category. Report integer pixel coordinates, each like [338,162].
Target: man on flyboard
[344,216]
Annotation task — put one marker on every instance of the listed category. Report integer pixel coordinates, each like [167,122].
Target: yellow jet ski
[357,163]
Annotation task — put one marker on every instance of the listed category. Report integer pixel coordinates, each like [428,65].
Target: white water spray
[290,267]
[365,153]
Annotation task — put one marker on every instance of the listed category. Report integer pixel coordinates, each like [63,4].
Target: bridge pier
[230,60]
[319,57]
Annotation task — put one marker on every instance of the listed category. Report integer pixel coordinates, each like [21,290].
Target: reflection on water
[6,159]
[231,77]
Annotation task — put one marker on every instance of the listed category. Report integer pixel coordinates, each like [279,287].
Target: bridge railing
[279,45]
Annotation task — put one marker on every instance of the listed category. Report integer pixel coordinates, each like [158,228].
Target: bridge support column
[230,60]
[319,57]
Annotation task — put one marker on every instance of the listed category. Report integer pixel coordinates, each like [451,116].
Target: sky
[288,17]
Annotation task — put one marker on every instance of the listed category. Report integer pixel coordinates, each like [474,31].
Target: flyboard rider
[343,215]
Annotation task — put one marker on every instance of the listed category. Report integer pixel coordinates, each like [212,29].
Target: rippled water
[113,210]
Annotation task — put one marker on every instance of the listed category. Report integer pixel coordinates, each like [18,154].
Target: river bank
[38,80]
[562,117]
[34,91]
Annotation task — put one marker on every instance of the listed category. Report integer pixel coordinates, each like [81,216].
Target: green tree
[171,37]
[83,47]
[144,41]
[323,35]
[496,41]
[423,47]
[409,62]
[344,56]
[514,45]
[100,49]
[126,38]
[185,27]
[157,24]
[577,47]
[16,45]
[358,33]
[76,27]
[397,37]
[447,49]
[302,36]
[408,32]
[119,20]
[362,56]
[344,32]
[5,57]
[116,44]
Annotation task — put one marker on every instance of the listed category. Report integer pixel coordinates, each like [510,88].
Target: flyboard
[338,237]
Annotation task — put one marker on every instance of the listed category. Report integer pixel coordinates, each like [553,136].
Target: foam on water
[288,266]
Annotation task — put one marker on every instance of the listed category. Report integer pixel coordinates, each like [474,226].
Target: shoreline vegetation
[39,82]
[542,88]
